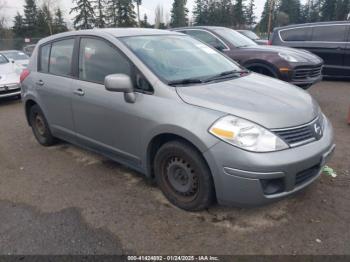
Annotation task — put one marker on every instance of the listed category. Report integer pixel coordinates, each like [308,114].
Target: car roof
[115,32]
[312,24]
[201,27]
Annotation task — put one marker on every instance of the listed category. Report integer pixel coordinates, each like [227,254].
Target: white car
[19,57]
[9,78]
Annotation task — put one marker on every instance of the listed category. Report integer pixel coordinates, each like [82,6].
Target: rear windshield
[3,60]
[250,35]
[16,55]
[235,38]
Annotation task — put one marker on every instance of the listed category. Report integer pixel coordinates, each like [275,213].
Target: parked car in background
[253,36]
[291,65]
[19,57]
[28,49]
[9,78]
[328,40]
[179,111]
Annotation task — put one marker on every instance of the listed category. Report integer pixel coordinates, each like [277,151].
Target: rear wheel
[183,176]
[40,127]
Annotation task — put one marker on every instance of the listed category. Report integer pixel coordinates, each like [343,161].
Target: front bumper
[10,90]
[244,178]
[304,76]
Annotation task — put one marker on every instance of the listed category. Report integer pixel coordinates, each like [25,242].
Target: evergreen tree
[264,21]
[179,14]
[251,18]
[239,13]
[315,10]
[201,12]
[18,25]
[46,24]
[328,10]
[59,25]
[126,13]
[292,8]
[30,18]
[112,13]
[343,10]
[85,18]
[144,23]
[99,6]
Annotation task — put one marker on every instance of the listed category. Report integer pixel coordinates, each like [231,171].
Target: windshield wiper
[226,74]
[186,81]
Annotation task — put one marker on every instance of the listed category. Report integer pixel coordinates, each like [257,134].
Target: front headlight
[246,135]
[291,58]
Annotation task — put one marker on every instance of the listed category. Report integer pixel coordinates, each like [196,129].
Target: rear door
[347,55]
[53,86]
[328,42]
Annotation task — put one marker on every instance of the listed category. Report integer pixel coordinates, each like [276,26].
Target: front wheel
[183,176]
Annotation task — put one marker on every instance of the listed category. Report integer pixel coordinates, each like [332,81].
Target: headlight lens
[291,58]
[246,135]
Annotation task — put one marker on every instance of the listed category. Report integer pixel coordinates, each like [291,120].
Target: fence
[16,43]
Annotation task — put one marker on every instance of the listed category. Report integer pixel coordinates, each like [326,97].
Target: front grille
[303,134]
[306,175]
[295,136]
[307,72]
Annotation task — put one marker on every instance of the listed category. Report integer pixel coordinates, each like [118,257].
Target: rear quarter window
[332,33]
[296,34]
[44,58]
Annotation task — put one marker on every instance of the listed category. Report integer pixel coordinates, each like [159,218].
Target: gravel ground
[64,200]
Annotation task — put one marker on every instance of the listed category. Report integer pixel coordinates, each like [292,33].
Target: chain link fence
[16,43]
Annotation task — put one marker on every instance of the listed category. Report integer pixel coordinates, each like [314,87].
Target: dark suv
[295,66]
[329,40]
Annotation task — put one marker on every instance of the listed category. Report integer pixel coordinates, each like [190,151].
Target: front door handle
[40,83]
[79,92]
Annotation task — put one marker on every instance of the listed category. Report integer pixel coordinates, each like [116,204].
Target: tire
[40,127]
[183,176]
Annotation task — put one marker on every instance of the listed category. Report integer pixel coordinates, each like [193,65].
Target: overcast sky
[11,7]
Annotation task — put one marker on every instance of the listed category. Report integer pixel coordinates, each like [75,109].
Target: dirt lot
[64,200]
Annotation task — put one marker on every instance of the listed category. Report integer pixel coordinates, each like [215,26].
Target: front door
[104,121]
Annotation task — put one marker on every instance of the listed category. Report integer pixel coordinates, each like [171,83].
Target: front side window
[175,57]
[236,39]
[44,58]
[296,34]
[97,59]
[61,57]
[333,33]
[207,38]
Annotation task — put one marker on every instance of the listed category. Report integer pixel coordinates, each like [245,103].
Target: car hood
[263,100]
[300,54]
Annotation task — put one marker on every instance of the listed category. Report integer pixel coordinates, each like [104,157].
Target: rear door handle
[40,83]
[79,92]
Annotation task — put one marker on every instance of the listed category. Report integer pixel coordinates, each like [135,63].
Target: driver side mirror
[219,47]
[121,83]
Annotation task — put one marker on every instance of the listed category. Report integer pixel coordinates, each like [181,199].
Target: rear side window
[44,58]
[296,34]
[97,59]
[61,57]
[206,38]
[334,33]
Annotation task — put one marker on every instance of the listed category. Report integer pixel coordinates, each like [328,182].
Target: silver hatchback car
[177,111]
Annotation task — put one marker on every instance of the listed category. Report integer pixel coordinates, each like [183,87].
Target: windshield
[175,58]
[3,60]
[250,35]
[16,55]
[235,38]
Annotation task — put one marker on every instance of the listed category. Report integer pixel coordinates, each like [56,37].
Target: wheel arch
[262,64]
[28,104]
